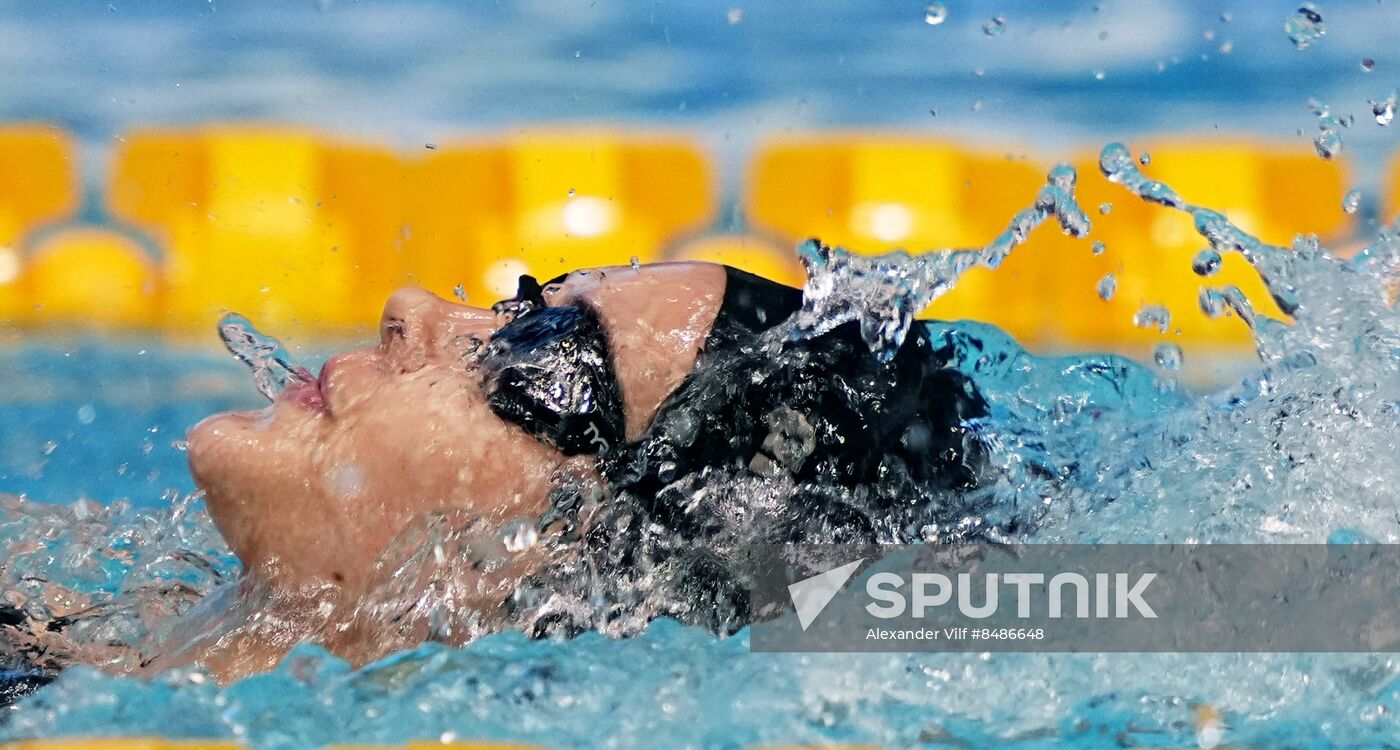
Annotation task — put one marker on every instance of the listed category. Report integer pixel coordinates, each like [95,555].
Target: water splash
[884,292]
[100,582]
[265,356]
[1273,264]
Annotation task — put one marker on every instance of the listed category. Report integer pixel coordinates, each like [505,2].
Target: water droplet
[1106,287]
[935,14]
[87,414]
[1144,158]
[347,480]
[459,292]
[430,146]
[1153,316]
[1206,263]
[976,105]
[1305,26]
[1384,110]
[572,192]
[1105,208]
[1367,65]
[519,535]
[180,445]
[1099,248]
[1212,302]
[1226,17]
[994,26]
[1167,356]
[48,447]
[636,263]
[1328,142]
[1351,201]
[734,16]
[1208,35]
[1226,47]
[1099,75]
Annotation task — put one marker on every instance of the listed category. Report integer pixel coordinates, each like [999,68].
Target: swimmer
[628,412]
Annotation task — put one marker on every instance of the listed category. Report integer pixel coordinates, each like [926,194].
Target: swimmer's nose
[418,322]
[406,315]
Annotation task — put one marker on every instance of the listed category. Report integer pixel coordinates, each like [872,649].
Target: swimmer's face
[313,487]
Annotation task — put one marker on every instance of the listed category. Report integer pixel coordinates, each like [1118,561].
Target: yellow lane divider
[548,202]
[268,221]
[38,185]
[90,278]
[309,234]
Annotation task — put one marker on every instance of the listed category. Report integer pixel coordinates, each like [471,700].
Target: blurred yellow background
[307,233]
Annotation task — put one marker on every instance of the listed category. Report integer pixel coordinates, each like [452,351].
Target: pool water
[1300,450]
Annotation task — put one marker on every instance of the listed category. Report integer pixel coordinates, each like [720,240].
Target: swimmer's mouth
[309,393]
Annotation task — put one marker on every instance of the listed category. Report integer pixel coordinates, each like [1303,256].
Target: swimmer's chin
[209,442]
[218,447]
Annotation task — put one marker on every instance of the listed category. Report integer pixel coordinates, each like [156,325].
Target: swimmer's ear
[551,373]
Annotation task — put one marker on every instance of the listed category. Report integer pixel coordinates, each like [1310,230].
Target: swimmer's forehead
[586,283]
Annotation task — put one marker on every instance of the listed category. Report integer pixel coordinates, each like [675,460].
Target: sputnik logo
[811,595]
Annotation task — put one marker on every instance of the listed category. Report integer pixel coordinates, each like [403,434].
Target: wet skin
[309,491]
